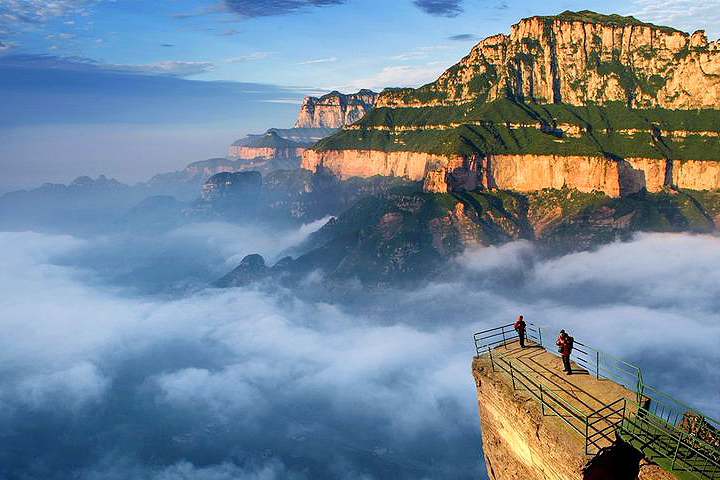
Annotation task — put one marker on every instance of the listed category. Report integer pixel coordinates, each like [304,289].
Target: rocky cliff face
[522,173]
[581,58]
[231,186]
[579,100]
[521,442]
[335,110]
[265,152]
[388,232]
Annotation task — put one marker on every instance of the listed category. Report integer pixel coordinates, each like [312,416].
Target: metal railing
[594,427]
[678,437]
[503,335]
[612,415]
[674,413]
[693,438]
[670,447]
[604,365]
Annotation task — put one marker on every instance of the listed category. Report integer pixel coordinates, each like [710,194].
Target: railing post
[586,436]
[492,363]
[540,335]
[597,364]
[672,465]
[512,375]
[502,330]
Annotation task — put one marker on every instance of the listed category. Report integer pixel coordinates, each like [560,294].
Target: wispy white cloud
[419,52]
[247,376]
[400,76]
[248,58]
[288,101]
[318,60]
[169,68]
[174,69]
[19,14]
[201,11]
[7,46]
[686,15]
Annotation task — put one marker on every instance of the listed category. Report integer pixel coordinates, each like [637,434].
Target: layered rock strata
[580,58]
[523,173]
[582,100]
[267,146]
[335,109]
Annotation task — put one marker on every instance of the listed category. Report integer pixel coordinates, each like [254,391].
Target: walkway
[579,398]
[679,439]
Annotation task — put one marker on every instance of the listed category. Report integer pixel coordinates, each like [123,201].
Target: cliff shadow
[486,175]
[619,460]
[522,215]
[630,180]
[466,177]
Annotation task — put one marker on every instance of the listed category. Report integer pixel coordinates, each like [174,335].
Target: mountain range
[578,100]
[570,132]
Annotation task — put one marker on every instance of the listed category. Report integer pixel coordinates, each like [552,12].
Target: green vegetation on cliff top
[269,139]
[614,20]
[484,128]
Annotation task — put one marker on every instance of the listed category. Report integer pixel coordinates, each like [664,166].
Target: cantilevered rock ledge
[525,440]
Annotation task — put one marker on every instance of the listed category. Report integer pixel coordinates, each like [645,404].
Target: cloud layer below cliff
[244,383]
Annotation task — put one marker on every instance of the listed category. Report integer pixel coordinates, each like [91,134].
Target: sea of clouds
[117,361]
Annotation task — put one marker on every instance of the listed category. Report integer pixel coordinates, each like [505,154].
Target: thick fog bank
[99,380]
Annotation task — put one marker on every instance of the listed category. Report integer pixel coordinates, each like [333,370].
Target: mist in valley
[118,359]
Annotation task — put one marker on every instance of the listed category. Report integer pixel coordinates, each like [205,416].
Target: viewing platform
[601,421]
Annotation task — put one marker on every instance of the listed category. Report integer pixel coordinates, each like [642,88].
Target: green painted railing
[504,335]
[594,427]
[675,436]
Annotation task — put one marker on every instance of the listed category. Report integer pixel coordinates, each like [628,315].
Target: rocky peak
[101,183]
[226,185]
[269,139]
[251,269]
[580,58]
[335,109]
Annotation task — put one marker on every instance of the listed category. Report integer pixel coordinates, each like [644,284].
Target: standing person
[520,329]
[565,345]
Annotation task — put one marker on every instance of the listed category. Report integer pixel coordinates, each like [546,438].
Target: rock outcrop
[265,152]
[580,100]
[522,173]
[581,58]
[231,186]
[335,109]
[523,442]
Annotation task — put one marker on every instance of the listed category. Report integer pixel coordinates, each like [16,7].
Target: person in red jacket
[520,329]
[565,345]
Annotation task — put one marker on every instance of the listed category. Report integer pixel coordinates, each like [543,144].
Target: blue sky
[143,75]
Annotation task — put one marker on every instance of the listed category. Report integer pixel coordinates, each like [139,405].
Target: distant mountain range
[281,148]
[571,131]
